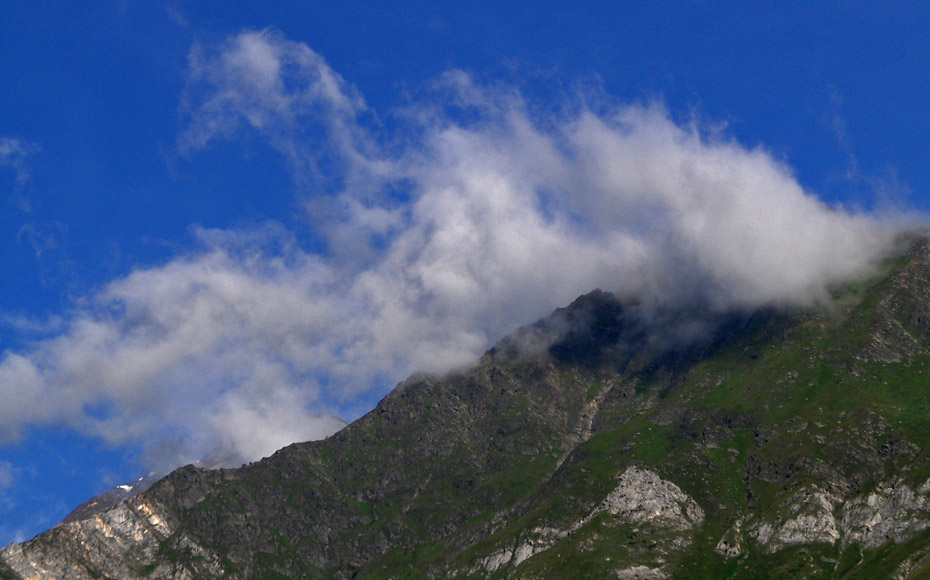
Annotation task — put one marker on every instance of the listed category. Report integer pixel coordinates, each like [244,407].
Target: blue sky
[225,229]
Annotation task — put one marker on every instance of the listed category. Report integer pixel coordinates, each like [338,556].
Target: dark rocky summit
[589,445]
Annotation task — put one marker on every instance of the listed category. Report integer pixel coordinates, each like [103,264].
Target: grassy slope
[788,395]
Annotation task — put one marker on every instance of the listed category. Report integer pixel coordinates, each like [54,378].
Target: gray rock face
[123,542]
[642,497]
[731,545]
[641,573]
[809,520]
[893,512]
[535,540]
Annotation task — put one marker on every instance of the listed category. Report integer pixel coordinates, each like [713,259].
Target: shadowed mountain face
[607,440]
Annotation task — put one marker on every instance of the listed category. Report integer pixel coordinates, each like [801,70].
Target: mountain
[612,439]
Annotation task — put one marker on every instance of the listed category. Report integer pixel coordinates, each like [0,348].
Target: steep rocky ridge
[591,444]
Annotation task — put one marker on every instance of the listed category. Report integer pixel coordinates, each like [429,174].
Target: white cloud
[171,352]
[282,89]
[250,341]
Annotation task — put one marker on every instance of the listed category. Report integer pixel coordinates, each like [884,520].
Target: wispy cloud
[843,138]
[13,154]
[285,91]
[883,189]
[6,475]
[476,216]
[41,237]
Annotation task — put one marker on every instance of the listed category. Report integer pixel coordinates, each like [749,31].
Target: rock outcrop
[642,497]
[130,540]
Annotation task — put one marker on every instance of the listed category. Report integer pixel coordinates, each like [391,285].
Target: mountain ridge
[578,446]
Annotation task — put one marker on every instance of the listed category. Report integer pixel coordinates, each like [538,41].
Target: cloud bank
[476,213]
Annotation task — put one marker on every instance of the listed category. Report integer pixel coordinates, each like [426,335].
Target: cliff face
[782,444]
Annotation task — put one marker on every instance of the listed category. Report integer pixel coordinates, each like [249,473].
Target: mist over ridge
[480,212]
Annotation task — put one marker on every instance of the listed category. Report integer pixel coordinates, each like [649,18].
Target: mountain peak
[613,438]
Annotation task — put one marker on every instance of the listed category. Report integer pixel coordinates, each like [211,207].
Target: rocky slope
[591,444]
